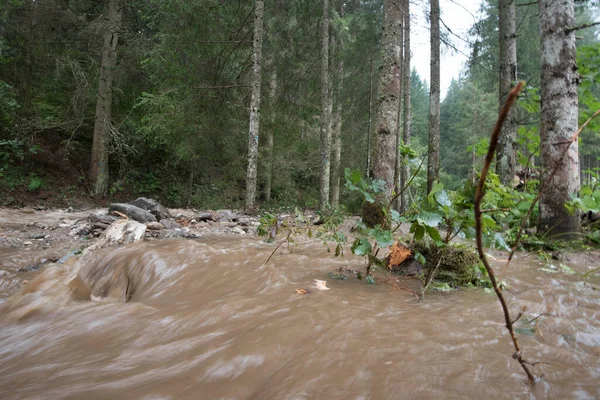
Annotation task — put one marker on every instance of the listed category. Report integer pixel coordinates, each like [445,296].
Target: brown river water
[207,319]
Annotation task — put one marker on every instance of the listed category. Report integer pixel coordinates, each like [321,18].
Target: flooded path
[206,319]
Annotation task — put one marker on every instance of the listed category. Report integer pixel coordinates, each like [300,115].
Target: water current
[207,319]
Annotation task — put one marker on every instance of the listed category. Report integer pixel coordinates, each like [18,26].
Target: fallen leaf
[301,291]
[397,255]
[321,285]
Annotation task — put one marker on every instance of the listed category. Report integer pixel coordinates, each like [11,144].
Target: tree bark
[337,141]
[559,113]
[99,173]
[506,157]
[325,114]
[336,153]
[250,205]
[398,164]
[433,151]
[268,162]
[369,132]
[404,172]
[388,101]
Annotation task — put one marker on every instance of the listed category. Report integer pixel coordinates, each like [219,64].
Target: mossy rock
[372,214]
[459,265]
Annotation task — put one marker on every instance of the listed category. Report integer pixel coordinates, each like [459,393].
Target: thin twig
[430,277]
[480,192]
[277,248]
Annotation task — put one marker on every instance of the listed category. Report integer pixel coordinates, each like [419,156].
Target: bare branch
[480,192]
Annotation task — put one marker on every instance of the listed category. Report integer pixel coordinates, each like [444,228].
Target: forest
[102,99]
[304,115]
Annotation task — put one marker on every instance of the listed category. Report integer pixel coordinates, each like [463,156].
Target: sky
[459,16]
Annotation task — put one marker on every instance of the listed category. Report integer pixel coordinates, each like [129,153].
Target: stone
[227,216]
[170,223]
[153,206]
[123,231]
[133,212]
[154,226]
[102,218]
[204,217]
[100,225]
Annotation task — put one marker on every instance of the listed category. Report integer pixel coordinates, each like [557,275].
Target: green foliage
[35,183]
[8,106]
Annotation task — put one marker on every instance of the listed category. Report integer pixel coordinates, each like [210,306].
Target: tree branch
[480,192]
[584,26]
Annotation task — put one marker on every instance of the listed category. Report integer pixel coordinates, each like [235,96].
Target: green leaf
[527,331]
[361,247]
[566,269]
[429,219]
[443,199]
[383,237]
[433,233]
[419,232]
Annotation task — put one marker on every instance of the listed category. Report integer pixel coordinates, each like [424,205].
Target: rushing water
[207,319]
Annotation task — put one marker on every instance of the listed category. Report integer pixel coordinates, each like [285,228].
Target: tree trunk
[337,141]
[369,132]
[558,117]
[398,164]
[337,128]
[404,172]
[268,162]
[325,117]
[433,151]
[388,102]
[506,158]
[250,205]
[99,173]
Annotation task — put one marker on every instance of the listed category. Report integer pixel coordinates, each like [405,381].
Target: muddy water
[207,320]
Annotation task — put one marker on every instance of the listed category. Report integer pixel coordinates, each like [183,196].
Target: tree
[559,154]
[433,151]
[404,172]
[325,110]
[388,101]
[337,120]
[99,173]
[399,140]
[268,158]
[506,155]
[254,107]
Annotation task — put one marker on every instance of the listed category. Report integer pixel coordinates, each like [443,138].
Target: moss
[372,214]
[458,267]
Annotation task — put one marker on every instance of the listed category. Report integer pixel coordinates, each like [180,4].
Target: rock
[102,218]
[154,226]
[204,217]
[227,216]
[239,230]
[122,231]
[133,212]
[170,223]
[100,225]
[27,243]
[38,236]
[228,224]
[155,208]
[81,229]
[70,254]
